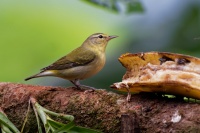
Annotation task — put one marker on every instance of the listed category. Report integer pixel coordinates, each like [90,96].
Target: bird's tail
[31,77]
[41,74]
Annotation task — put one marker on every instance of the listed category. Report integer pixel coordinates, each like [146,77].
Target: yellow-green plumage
[81,63]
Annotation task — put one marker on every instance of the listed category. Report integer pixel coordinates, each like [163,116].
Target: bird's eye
[100,36]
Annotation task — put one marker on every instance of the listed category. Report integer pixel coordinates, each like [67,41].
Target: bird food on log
[164,72]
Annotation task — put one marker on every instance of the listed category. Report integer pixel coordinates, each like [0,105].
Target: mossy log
[103,110]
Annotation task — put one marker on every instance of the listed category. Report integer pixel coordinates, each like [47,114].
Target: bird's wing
[76,58]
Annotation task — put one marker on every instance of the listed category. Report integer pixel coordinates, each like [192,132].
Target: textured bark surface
[102,110]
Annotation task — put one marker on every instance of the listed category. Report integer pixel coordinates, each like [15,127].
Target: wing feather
[77,57]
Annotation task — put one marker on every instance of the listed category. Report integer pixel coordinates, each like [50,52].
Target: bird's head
[98,40]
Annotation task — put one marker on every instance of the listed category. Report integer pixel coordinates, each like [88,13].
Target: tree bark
[103,110]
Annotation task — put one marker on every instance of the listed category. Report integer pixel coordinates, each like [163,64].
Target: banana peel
[169,73]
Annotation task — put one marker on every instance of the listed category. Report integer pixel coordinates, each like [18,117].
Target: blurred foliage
[187,35]
[127,6]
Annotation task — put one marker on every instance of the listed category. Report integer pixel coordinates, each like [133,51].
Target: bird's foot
[85,88]
[88,88]
[77,87]
[88,91]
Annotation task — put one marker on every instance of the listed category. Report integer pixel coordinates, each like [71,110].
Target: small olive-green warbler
[83,62]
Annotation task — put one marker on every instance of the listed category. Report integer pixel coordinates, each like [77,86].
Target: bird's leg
[78,85]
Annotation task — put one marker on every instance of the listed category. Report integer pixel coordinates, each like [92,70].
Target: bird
[81,63]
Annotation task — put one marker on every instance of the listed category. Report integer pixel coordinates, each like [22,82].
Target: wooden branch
[102,110]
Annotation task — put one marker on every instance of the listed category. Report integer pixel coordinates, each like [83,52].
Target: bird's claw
[89,90]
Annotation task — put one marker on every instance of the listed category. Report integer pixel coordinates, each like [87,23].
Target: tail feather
[41,74]
[31,77]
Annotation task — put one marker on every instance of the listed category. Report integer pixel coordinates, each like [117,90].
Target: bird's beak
[111,37]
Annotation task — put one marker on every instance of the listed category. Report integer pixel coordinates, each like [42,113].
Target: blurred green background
[34,34]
